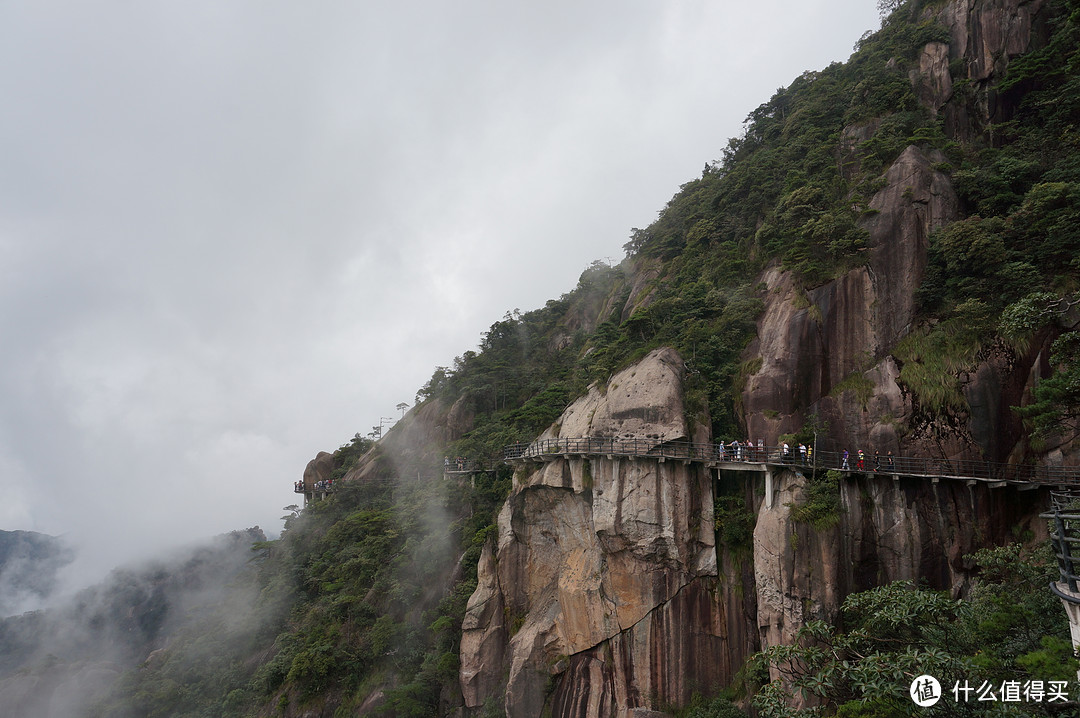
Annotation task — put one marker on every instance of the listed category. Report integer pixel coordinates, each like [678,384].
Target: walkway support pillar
[768,487]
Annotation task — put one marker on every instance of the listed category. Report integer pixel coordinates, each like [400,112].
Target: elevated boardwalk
[466,466]
[763,459]
[317,491]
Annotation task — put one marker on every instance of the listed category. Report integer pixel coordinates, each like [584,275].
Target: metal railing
[1065,536]
[463,466]
[775,455]
[301,489]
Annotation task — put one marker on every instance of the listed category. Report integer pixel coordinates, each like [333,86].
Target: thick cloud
[233,234]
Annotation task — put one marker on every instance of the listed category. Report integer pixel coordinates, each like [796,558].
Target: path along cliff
[605,590]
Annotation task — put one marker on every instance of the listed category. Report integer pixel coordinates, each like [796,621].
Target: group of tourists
[740,451]
[860,461]
[324,485]
[800,454]
[458,464]
[748,451]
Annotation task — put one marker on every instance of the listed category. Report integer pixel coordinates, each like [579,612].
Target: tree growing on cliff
[1056,406]
[1056,409]
[895,634]
[888,7]
[1010,627]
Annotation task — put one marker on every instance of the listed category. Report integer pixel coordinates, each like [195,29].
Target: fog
[233,235]
[199,601]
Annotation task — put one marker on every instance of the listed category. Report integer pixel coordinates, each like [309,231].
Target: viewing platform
[464,466]
[318,490]
[763,458]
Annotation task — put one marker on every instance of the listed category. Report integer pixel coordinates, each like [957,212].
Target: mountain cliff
[849,341]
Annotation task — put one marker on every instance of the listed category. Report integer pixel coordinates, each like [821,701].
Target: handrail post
[1069,569]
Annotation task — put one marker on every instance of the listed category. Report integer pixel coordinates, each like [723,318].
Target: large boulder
[318,469]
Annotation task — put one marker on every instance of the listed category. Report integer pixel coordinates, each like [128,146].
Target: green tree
[1056,409]
[1011,627]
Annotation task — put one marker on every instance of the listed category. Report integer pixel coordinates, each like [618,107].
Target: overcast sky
[233,234]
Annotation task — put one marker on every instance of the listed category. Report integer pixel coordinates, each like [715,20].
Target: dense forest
[359,605]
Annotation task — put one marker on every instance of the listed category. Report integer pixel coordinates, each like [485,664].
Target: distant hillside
[29,563]
[59,662]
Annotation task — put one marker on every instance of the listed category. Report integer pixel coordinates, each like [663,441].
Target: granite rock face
[886,530]
[605,592]
[642,402]
[602,573]
[318,469]
[984,36]
[841,333]
[830,350]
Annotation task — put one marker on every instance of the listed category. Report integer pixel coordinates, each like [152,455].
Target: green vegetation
[1022,190]
[934,358]
[858,384]
[820,506]
[716,708]
[375,595]
[365,589]
[1009,628]
[1056,409]
[734,523]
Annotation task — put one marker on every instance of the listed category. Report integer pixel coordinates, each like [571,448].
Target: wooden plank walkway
[755,458]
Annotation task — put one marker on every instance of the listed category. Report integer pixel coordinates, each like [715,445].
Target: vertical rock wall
[812,342]
[597,592]
[886,530]
[816,344]
[599,595]
[984,36]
